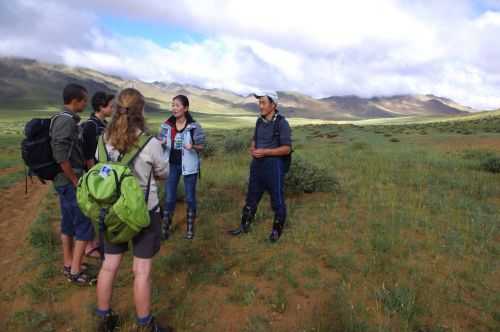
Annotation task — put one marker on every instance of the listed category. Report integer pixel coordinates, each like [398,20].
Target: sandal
[67,269]
[81,279]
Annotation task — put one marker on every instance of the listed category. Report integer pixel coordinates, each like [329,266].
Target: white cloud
[316,47]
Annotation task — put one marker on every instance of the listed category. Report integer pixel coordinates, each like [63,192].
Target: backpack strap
[277,127]
[101,148]
[255,131]
[91,120]
[129,157]
[56,116]
[148,188]
[191,130]
[50,130]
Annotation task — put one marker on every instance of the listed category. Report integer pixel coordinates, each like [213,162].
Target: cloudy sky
[449,48]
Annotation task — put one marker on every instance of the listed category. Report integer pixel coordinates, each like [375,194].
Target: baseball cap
[269,94]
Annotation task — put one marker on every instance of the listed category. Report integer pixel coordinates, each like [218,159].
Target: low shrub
[208,151]
[491,164]
[235,144]
[305,177]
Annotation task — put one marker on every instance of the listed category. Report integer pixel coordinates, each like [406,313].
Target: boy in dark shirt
[271,143]
[96,124]
[93,128]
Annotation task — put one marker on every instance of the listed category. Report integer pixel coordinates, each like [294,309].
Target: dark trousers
[267,175]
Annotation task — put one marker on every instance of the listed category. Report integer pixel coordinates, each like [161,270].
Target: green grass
[278,301]
[10,150]
[243,294]
[405,240]
[257,324]
[10,179]
[29,320]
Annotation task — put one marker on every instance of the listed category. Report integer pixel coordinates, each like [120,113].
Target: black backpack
[36,150]
[92,122]
[287,160]
[99,129]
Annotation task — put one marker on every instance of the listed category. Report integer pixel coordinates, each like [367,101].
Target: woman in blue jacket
[183,139]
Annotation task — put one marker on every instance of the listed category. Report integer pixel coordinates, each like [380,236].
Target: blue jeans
[267,175]
[171,188]
[73,222]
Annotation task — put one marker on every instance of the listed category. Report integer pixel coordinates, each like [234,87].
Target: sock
[102,313]
[143,321]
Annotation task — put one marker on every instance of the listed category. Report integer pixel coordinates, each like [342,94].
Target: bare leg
[142,286]
[91,245]
[78,253]
[67,244]
[105,280]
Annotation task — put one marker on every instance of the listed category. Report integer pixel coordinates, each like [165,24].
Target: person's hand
[188,146]
[75,182]
[259,153]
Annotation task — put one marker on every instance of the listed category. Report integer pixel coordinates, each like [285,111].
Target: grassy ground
[406,238]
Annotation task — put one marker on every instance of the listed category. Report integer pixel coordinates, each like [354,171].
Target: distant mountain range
[27,84]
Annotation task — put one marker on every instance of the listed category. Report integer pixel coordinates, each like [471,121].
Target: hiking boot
[165,225]
[191,216]
[153,326]
[82,279]
[107,323]
[246,220]
[277,230]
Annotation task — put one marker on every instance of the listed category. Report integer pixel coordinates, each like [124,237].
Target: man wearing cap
[271,144]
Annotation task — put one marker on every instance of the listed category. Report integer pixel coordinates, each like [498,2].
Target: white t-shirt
[151,157]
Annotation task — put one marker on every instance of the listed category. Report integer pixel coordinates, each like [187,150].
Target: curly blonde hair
[127,120]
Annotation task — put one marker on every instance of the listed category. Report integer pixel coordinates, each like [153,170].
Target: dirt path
[17,212]
[10,170]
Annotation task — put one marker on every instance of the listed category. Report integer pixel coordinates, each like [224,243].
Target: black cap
[101,99]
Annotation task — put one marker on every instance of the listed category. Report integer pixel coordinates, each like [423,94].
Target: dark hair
[101,99]
[73,91]
[182,99]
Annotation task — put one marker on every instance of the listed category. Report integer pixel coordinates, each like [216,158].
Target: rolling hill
[29,84]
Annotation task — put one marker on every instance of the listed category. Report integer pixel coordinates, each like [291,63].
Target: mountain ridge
[32,83]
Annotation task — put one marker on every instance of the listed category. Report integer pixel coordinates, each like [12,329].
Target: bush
[305,177]
[358,146]
[208,151]
[491,164]
[401,300]
[478,155]
[234,144]
[394,140]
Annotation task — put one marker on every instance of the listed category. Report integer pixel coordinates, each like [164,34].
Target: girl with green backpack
[124,137]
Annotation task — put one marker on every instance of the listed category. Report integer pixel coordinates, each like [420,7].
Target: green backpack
[110,195]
